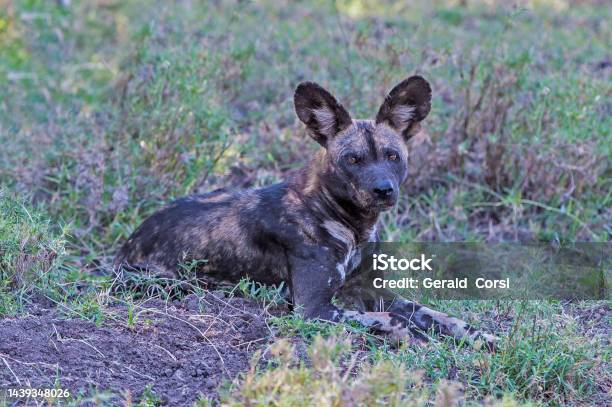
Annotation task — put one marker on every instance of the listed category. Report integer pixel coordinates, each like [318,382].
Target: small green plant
[204,401]
[148,398]
[272,295]
[188,269]
[87,306]
[136,284]
[131,318]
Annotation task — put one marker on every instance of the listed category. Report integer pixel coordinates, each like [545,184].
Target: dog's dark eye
[351,159]
[392,157]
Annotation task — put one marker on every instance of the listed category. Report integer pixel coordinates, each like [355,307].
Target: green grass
[544,355]
[144,105]
[337,375]
[30,254]
[111,108]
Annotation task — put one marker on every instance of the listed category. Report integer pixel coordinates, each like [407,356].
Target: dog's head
[365,161]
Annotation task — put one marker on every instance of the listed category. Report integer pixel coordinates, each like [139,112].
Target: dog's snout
[383,189]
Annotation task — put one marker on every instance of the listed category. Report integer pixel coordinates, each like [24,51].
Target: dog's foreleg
[427,319]
[389,323]
[420,319]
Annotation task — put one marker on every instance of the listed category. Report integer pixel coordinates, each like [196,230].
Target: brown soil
[181,349]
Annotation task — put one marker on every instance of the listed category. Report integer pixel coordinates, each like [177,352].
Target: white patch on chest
[372,236]
[340,232]
[352,259]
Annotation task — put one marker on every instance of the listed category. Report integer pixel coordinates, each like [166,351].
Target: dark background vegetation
[109,109]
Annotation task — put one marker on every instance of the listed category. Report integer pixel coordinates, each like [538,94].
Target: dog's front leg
[314,281]
[417,317]
[428,319]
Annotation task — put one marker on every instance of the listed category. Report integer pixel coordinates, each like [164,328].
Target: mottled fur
[309,231]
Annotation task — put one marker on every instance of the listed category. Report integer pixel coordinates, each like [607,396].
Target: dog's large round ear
[323,116]
[406,105]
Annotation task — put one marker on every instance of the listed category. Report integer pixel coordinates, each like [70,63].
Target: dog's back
[223,233]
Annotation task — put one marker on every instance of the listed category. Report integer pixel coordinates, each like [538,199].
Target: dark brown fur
[309,231]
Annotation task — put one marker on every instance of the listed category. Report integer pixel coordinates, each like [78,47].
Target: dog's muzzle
[384,194]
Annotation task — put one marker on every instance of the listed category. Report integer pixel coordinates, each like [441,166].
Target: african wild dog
[310,230]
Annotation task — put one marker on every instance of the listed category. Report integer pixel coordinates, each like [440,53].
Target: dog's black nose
[383,189]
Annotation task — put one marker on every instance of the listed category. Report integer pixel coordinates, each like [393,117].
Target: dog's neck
[324,205]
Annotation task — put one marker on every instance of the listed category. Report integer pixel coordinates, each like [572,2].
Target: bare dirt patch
[181,349]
